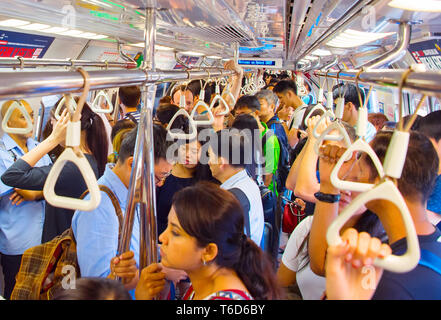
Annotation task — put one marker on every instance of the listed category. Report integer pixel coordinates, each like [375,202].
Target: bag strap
[430,260]
[115,204]
[245,203]
[131,117]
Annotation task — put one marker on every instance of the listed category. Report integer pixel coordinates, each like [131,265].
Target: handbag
[292,216]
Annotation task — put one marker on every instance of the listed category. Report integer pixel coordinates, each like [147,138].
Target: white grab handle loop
[73,153]
[315,108]
[95,104]
[210,121]
[29,126]
[70,103]
[88,175]
[362,146]
[384,191]
[221,100]
[335,126]
[327,114]
[178,135]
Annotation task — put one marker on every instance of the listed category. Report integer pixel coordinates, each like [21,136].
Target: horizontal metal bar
[428,82]
[15,85]
[32,63]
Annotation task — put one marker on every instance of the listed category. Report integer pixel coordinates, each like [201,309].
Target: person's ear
[350,106]
[210,252]
[129,161]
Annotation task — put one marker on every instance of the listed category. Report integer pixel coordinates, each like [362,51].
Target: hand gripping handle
[363,146]
[327,114]
[29,126]
[220,99]
[70,103]
[210,120]
[384,191]
[96,108]
[88,175]
[316,107]
[343,135]
[186,136]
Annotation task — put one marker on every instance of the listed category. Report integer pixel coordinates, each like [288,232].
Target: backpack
[269,242]
[283,165]
[43,267]
[245,204]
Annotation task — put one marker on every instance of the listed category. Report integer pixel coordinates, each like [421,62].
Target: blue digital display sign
[257,62]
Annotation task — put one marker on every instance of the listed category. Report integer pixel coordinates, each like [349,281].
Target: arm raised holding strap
[74,154]
[386,189]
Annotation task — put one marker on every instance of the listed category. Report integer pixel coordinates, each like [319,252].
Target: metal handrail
[15,85]
[21,63]
[426,82]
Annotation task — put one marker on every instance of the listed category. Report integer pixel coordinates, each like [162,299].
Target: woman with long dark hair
[22,174]
[205,238]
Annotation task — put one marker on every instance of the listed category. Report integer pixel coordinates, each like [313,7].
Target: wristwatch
[325,197]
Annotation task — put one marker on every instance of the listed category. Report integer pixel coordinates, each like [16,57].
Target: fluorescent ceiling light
[89,35]
[414,5]
[310,58]
[157,46]
[214,57]
[34,26]
[353,38]
[321,53]
[13,23]
[98,37]
[54,30]
[192,53]
[72,33]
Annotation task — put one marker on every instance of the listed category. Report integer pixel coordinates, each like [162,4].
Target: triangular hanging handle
[29,126]
[337,126]
[88,175]
[327,114]
[384,191]
[316,107]
[186,136]
[210,120]
[362,146]
[219,98]
[70,103]
[95,104]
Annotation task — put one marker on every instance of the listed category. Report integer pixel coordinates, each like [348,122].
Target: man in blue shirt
[430,126]
[96,232]
[21,211]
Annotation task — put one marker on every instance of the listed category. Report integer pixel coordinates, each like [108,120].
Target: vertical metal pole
[141,196]
[236,52]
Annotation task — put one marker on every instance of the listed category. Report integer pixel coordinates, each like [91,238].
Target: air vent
[223,34]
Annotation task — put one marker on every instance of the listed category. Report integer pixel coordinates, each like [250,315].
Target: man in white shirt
[228,157]
[286,91]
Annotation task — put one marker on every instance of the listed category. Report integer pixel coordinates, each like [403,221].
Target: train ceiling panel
[207,26]
[354,31]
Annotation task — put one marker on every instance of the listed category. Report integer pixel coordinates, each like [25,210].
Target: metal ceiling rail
[20,62]
[397,52]
[15,85]
[353,13]
[427,82]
